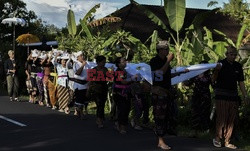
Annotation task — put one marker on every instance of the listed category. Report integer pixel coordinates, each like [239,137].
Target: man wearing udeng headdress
[80,84]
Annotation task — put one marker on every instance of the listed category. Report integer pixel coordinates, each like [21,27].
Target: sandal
[231,146]
[216,143]
[164,147]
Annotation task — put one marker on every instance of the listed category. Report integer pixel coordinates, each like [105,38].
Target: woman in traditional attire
[31,72]
[39,79]
[121,94]
[62,83]
[49,87]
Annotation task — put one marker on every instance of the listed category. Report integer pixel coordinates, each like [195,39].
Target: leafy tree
[239,10]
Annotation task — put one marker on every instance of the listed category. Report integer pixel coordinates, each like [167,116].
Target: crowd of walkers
[56,80]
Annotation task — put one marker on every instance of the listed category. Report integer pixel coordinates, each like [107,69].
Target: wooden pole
[14,35]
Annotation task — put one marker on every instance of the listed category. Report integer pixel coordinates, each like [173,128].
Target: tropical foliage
[102,41]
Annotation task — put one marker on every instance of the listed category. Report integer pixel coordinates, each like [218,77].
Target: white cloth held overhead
[142,69]
[34,53]
[194,70]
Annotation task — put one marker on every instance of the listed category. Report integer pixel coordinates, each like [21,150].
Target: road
[50,130]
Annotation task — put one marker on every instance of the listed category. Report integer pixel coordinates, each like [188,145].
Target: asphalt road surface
[49,130]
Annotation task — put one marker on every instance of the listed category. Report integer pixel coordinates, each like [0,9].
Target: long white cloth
[141,69]
[194,70]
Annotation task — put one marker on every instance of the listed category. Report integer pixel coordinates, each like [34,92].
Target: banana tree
[175,11]
[84,35]
[189,46]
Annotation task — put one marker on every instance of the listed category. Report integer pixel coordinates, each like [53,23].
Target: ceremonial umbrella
[27,39]
[15,21]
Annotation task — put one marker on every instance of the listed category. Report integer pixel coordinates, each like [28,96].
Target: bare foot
[164,146]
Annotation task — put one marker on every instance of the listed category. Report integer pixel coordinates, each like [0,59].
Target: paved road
[49,130]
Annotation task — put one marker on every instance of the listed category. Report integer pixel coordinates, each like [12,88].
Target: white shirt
[82,76]
[62,75]
[61,72]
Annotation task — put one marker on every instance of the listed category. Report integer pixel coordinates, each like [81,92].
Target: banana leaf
[154,41]
[152,17]
[228,40]
[240,35]
[208,37]
[91,12]
[71,22]
[175,11]
[220,48]
[86,29]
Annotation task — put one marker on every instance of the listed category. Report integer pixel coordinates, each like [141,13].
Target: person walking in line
[121,94]
[11,70]
[48,85]
[201,101]
[80,83]
[39,79]
[31,72]
[226,78]
[160,66]
[62,82]
[98,89]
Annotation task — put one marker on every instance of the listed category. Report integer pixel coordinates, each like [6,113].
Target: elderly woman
[10,67]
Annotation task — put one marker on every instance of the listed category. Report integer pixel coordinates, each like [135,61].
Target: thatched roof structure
[135,21]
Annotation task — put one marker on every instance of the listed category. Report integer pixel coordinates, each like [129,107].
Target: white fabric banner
[142,69]
[194,70]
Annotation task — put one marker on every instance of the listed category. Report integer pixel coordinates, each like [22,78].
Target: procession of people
[63,81]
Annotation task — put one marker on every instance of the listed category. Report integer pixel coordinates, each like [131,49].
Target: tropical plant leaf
[175,11]
[154,41]
[86,29]
[212,3]
[197,46]
[132,39]
[152,17]
[212,54]
[71,22]
[220,48]
[208,37]
[240,35]
[229,41]
[109,41]
[91,12]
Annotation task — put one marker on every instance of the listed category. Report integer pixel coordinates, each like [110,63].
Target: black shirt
[9,65]
[164,81]
[101,81]
[33,66]
[229,75]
